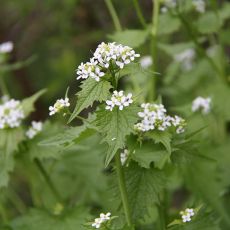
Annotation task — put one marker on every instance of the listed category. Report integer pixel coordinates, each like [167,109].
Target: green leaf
[37,219]
[144,187]
[6,166]
[91,91]
[115,126]
[132,38]
[208,23]
[149,152]
[162,137]
[168,24]
[28,103]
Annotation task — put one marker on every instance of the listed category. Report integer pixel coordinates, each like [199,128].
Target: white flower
[119,99]
[187,214]
[90,69]
[199,5]
[186,58]
[170,3]
[124,156]
[36,127]
[6,47]
[154,117]
[146,61]
[103,218]
[59,105]
[11,114]
[5,98]
[203,104]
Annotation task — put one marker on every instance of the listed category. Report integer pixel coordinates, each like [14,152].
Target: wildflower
[36,127]
[186,58]
[146,62]
[105,55]
[59,105]
[124,156]
[6,47]
[154,117]
[203,104]
[11,114]
[187,214]
[102,219]
[119,99]
[199,5]
[90,69]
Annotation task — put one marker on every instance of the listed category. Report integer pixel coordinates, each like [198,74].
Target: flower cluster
[106,54]
[59,105]
[186,58]
[187,214]
[6,47]
[102,219]
[36,127]
[154,117]
[11,114]
[124,156]
[168,4]
[119,99]
[199,5]
[203,104]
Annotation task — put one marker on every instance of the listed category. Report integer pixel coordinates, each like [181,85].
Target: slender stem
[139,13]
[47,179]
[3,86]
[155,17]
[113,14]
[123,191]
[3,214]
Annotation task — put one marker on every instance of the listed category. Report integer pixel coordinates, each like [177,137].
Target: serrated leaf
[162,137]
[132,38]
[144,187]
[91,91]
[37,219]
[28,103]
[115,126]
[149,152]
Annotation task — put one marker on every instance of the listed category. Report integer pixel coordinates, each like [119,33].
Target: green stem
[113,14]
[155,18]
[47,179]
[123,191]
[3,86]
[3,214]
[139,13]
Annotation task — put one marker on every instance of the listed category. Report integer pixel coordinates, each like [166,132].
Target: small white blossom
[187,214]
[146,61]
[36,127]
[124,156]
[199,5]
[119,99]
[6,47]
[154,117]
[102,219]
[203,104]
[186,58]
[11,114]
[170,3]
[59,105]
[5,98]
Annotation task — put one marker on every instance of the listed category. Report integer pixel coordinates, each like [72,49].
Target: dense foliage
[142,143]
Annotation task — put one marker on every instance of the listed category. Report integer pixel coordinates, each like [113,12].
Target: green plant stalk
[113,14]
[153,46]
[3,214]
[47,179]
[123,191]
[139,13]
[3,86]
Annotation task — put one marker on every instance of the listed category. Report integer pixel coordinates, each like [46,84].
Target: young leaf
[28,103]
[6,166]
[91,91]
[132,38]
[115,126]
[144,187]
